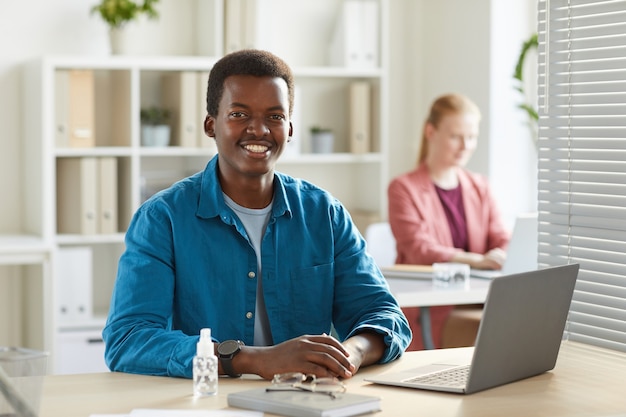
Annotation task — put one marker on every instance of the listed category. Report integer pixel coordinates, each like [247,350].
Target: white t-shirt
[255,221]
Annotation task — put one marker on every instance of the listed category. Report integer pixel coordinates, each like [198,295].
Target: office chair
[381,244]
[462,324]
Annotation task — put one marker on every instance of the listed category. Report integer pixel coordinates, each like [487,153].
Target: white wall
[469,47]
[513,161]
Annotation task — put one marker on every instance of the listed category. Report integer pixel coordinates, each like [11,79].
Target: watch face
[228,347]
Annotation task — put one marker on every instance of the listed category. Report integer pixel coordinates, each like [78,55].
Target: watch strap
[226,358]
[227,366]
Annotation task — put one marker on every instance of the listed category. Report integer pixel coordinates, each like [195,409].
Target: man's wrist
[226,353]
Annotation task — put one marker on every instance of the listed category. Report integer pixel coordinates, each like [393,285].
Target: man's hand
[365,349]
[321,355]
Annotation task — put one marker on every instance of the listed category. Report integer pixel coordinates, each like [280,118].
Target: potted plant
[322,140]
[533,116]
[117,13]
[155,130]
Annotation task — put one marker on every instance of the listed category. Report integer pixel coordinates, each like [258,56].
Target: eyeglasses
[294,381]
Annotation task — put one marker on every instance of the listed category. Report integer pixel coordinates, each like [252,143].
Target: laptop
[521,255]
[519,335]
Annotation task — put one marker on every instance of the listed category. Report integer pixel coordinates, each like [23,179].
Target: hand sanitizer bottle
[205,366]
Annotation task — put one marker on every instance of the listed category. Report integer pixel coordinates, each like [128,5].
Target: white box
[79,352]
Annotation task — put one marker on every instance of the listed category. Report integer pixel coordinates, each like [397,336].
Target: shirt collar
[211,201]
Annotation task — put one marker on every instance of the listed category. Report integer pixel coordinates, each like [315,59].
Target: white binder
[74,284]
[355,38]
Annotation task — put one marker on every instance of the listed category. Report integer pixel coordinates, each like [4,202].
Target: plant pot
[155,135]
[120,41]
[322,142]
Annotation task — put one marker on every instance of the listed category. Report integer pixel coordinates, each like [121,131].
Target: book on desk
[408,271]
[304,404]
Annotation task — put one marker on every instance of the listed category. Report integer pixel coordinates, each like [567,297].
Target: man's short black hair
[245,62]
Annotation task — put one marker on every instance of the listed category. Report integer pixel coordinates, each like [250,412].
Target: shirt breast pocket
[312,296]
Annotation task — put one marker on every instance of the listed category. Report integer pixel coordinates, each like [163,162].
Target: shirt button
[251,274]
[248,315]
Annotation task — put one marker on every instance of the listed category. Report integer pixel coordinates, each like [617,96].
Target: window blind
[582,160]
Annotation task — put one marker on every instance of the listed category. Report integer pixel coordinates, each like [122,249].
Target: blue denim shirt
[188,264]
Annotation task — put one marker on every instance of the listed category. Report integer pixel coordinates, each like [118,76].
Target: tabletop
[587,381]
[422,293]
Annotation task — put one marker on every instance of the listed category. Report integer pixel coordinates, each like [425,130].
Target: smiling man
[270,263]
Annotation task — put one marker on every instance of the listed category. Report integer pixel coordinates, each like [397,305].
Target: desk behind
[421,293]
[587,381]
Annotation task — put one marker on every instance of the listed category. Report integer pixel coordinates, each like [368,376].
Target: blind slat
[577,110]
[582,159]
[590,99]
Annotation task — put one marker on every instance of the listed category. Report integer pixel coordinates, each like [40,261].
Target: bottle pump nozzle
[205,344]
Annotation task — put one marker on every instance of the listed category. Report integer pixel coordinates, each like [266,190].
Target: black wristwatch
[226,351]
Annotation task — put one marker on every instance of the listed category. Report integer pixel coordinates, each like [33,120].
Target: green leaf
[116,13]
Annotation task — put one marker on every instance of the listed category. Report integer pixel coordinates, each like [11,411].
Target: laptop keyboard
[453,377]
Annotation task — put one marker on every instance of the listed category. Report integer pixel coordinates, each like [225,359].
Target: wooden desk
[587,381]
[420,293]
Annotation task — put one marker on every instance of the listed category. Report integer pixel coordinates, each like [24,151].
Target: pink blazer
[419,223]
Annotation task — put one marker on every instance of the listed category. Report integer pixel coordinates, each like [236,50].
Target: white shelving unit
[124,85]
[29,291]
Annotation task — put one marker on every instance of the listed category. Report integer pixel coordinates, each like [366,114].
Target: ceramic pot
[155,135]
[322,142]
[119,39]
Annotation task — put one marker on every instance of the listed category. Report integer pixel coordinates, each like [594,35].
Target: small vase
[322,142]
[119,39]
[155,135]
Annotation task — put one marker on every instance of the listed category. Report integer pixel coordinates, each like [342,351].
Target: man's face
[252,125]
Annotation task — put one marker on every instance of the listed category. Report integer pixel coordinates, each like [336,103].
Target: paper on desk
[146,412]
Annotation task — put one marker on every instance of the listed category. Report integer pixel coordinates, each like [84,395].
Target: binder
[360,116]
[77,195]
[355,37]
[241,25]
[75,114]
[203,140]
[74,287]
[107,202]
[249,33]
[233,32]
[370,33]
[345,47]
[178,94]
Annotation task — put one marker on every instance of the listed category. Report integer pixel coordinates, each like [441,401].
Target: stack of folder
[355,39]
[87,195]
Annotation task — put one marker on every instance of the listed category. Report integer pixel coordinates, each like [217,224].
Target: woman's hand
[494,259]
[320,355]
